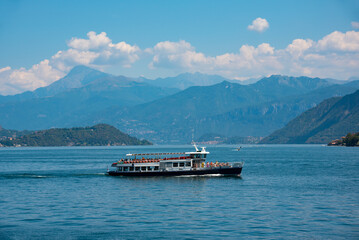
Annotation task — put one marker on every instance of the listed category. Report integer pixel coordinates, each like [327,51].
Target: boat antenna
[195,146]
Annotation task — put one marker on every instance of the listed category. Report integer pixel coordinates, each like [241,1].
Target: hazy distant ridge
[225,108]
[147,109]
[331,119]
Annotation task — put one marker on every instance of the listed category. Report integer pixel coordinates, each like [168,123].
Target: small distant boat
[238,149]
[172,164]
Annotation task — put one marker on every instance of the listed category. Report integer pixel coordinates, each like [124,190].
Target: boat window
[143,168]
[120,168]
[188,164]
[175,164]
[204,155]
[131,169]
[149,168]
[156,168]
[125,169]
[181,164]
[137,168]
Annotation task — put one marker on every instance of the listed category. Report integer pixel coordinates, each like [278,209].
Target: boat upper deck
[153,154]
[150,160]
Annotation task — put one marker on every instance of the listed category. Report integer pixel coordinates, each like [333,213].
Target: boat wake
[54,175]
[205,175]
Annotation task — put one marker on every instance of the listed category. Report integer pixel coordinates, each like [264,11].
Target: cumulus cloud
[97,51]
[5,69]
[355,25]
[183,56]
[338,41]
[94,41]
[259,25]
[336,55]
[19,80]
[299,46]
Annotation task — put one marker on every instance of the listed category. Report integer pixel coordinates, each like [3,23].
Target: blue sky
[165,38]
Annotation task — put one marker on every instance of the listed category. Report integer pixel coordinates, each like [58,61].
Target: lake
[285,192]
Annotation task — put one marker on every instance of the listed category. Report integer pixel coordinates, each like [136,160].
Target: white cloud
[183,56]
[338,41]
[96,51]
[265,48]
[299,46]
[173,47]
[259,25]
[5,69]
[94,41]
[336,55]
[180,55]
[19,80]
[355,25]
[65,60]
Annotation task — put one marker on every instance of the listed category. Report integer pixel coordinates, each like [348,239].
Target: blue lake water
[285,192]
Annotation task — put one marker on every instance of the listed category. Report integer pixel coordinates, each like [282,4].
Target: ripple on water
[284,192]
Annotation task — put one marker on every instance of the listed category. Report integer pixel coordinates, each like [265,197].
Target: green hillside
[331,119]
[350,140]
[7,133]
[98,135]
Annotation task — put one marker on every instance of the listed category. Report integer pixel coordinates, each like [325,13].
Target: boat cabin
[151,162]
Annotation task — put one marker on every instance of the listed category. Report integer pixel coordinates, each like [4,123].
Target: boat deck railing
[149,160]
[152,154]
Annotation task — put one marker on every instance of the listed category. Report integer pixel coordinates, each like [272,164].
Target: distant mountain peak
[82,69]
[186,80]
[79,76]
[82,75]
[225,83]
[305,83]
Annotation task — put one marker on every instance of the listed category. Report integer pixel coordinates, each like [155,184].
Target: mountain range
[226,108]
[168,110]
[71,99]
[331,119]
[186,80]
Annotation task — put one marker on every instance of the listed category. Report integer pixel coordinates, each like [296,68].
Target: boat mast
[195,146]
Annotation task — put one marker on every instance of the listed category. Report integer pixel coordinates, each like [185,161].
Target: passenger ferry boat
[172,164]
